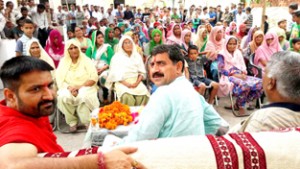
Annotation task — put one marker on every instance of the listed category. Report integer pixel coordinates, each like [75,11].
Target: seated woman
[186,36]
[214,45]
[201,39]
[233,70]
[101,53]
[127,71]
[135,38]
[83,41]
[55,46]
[77,86]
[109,38]
[266,50]
[35,49]
[175,35]
[232,27]
[156,39]
[257,40]
[285,44]
[247,39]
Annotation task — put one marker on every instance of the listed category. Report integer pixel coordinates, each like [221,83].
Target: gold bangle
[134,164]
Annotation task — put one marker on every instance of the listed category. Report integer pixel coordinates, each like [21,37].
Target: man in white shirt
[205,16]
[109,16]
[241,17]
[32,6]
[39,17]
[72,17]
[86,12]
[97,14]
[60,16]
[10,14]
[18,10]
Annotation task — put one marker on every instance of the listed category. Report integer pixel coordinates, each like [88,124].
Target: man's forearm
[83,162]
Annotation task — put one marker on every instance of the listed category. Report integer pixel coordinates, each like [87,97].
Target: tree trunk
[263,14]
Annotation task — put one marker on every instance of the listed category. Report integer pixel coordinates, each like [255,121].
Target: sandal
[73,129]
[250,107]
[236,107]
[239,114]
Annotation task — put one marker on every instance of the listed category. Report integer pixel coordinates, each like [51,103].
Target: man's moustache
[45,102]
[157,74]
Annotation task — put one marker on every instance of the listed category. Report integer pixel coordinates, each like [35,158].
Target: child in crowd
[295,45]
[196,71]
[28,29]
[70,34]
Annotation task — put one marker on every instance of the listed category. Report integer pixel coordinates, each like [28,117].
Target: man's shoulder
[271,112]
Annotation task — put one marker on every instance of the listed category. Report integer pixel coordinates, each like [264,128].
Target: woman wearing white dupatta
[126,72]
[77,84]
[34,49]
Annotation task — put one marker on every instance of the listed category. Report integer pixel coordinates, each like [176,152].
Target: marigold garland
[115,114]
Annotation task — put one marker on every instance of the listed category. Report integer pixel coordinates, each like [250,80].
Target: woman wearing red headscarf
[55,46]
[242,32]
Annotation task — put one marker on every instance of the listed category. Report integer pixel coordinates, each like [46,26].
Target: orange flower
[115,114]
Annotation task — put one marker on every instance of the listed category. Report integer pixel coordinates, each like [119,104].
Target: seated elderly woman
[34,49]
[234,76]
[281,83]
[77,84]
[83,41]
[126,72]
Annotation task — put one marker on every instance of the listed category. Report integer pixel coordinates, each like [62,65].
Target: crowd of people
[217,47]
[163,58]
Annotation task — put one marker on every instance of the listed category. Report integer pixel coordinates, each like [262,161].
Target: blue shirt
[213,15]
[175,110]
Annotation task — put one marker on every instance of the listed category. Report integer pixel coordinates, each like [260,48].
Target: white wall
[274,14]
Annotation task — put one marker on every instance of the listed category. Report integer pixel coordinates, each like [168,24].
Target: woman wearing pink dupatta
[175,37]
[186,39]
[213,47]
[267,49]
[233,70]
[232,27]
[55,46]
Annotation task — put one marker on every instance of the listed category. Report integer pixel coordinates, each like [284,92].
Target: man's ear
[271,84]
[179,67]
[10,98]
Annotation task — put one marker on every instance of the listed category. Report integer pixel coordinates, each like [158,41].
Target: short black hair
[295,40]
[192,47]
[41,6]
[28,21]
[248,9]
[8,2]
[24,9]
[12,70]
[297,13]
[21,20]
[117,28]
[205,8]
[293,6]
[173,52]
